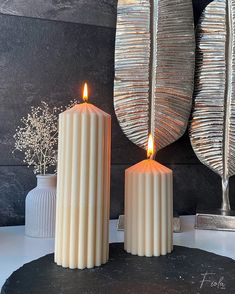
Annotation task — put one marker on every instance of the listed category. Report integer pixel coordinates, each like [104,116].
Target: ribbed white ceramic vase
[40,208]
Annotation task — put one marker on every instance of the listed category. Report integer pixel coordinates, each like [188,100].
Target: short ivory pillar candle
[83,190]
[148,208]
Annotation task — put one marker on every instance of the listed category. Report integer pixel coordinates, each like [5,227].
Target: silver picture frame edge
[215,220]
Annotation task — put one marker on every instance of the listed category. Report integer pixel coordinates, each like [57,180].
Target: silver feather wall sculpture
[154,69]
[212,129]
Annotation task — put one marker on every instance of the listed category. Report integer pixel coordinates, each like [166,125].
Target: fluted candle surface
[83,197]
[148,209]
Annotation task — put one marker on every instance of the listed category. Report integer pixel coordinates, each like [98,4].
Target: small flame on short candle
[150,150]
[85,92]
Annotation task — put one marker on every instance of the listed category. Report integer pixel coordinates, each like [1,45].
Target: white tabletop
[16,249]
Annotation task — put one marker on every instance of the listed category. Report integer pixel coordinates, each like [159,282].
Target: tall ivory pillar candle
[148,208]
[83,195]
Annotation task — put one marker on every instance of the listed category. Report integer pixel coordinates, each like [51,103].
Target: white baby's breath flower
[37,136]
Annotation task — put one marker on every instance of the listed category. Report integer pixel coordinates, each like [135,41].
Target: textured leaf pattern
[213,124]
[154,69]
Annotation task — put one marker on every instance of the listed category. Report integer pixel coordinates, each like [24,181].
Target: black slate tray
[184,271]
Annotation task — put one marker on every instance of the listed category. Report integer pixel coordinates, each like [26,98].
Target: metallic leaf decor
[154,69]
[212,129]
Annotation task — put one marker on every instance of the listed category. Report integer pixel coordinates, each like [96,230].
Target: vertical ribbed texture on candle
[83,189]
[148,209]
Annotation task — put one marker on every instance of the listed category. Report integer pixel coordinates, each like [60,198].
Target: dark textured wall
[47,49]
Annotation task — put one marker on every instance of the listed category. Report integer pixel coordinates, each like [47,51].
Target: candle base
[82,267]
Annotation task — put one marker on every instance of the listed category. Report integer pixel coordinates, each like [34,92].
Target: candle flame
[150,151]
[85,92]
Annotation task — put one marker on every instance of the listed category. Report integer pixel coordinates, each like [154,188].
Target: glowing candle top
[150,150]
[85,93]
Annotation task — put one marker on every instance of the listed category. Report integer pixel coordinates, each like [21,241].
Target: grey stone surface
[117,191]
[15,182]
[43,60]
[196,187]
[94,12]
[180,272]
